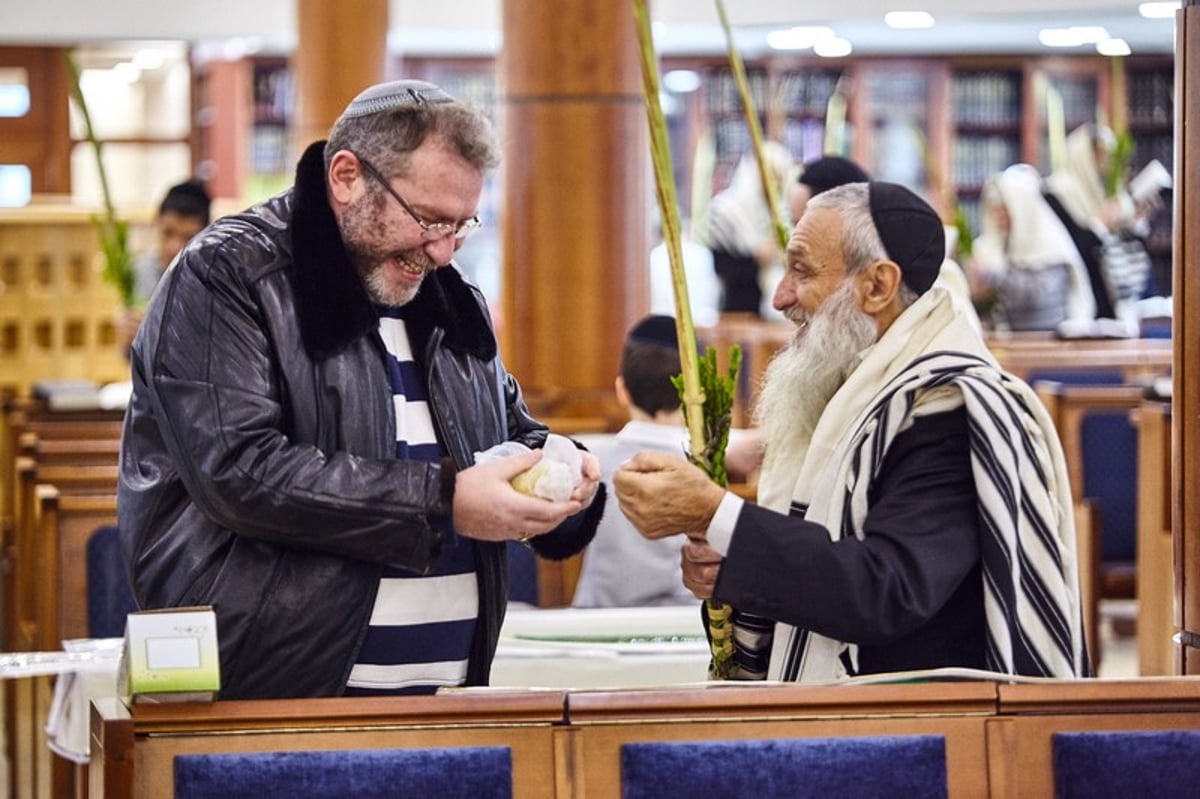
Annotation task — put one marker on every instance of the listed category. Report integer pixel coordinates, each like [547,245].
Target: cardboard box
[171,656]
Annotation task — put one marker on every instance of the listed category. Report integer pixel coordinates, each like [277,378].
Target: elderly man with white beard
[913,510]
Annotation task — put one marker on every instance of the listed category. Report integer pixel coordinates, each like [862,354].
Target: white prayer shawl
[1035,238]
[929,361]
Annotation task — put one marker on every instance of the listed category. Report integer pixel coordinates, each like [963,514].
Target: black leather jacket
[258,469]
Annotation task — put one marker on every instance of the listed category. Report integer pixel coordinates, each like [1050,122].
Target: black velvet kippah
[829,172]
[655,329]
[394,94]
[911,232]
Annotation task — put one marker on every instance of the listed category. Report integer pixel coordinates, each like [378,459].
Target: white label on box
[177,652]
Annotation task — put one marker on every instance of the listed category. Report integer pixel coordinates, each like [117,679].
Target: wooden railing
[568,743]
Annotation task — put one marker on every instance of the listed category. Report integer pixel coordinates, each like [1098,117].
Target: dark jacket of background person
[285,540]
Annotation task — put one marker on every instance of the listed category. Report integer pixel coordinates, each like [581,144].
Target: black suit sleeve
[921,541]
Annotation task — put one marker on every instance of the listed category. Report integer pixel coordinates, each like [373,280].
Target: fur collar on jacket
[332,303]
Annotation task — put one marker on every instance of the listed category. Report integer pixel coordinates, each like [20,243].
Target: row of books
[721,92]
[976,158]
[987,99]
[1151,98]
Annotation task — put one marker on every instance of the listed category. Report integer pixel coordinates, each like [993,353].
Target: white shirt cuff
[720,529]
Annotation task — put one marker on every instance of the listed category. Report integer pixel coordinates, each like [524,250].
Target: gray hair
[388,138]
[861,245]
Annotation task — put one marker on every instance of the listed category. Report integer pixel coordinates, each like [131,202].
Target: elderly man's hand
[663,495]
[700,566]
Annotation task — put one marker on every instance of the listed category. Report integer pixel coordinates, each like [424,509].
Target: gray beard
[804,375]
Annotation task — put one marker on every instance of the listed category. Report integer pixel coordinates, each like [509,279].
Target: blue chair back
[109,599]
[1164,764]
[1109,465]
[522,574]
[483,772]
[908,766]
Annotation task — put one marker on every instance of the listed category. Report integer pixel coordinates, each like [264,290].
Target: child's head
[649,361]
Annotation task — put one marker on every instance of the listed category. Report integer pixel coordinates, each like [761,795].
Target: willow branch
[756,137]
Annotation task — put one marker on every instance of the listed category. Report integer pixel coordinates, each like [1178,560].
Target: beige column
[1186,396]
[341,49]
[576,189]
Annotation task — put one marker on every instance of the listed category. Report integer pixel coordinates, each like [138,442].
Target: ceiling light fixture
[837,47]
[1159,10]
[1073,36]
[908,20]
[801,37]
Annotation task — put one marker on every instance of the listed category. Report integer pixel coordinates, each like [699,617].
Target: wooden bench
[67,523]
[35,599]
[29,430]
[88,479]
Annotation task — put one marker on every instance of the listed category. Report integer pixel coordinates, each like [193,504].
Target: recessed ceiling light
[837,47]
[1073,36]
[1159,10]
[908,20]
[801,37]
[1113,47]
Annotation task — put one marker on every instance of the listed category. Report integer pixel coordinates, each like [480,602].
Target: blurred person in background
[185,210]
[741,233]
[620,566]
[1024,258]
[821,175]
[1105,224]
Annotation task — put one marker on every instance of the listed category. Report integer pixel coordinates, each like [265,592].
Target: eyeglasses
[430,231]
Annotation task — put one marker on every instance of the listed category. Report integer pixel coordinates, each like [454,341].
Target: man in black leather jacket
[259,467]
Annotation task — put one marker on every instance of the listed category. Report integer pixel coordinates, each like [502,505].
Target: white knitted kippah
[394,94]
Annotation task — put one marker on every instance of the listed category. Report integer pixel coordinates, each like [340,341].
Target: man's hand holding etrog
[663,495]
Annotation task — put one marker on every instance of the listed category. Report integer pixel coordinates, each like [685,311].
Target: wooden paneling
[56,311]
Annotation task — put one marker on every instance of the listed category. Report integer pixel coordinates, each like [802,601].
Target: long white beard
[804,376]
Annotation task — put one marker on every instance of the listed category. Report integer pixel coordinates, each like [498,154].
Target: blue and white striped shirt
[422,625]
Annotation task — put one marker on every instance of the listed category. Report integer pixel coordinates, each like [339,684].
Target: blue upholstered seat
[1164,764]
[483,772]
[109,599]
[908,766]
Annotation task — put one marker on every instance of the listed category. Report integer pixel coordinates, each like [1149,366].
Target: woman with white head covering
[1026,255]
